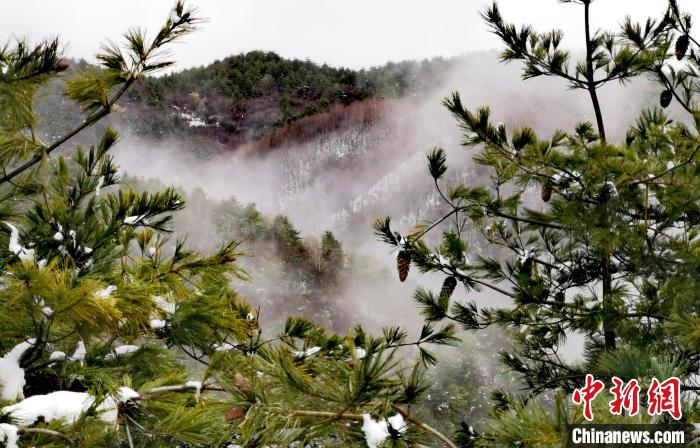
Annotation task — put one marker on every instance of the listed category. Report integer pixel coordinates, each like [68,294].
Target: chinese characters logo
[662,397]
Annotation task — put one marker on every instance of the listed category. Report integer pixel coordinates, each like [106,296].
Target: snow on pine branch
[106,292]
[123,350]
[306,353]
[15,247]
[133,220]
[11,374]
[67,406]
[79,353]
[377,431]
[9,435]
[167,307]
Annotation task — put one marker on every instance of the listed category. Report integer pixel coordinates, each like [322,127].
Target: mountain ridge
[244,98]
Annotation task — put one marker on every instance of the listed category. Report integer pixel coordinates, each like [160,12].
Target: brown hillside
[338,117]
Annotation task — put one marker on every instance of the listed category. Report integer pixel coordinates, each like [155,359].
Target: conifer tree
[606,249]
[331,254]
[99,305]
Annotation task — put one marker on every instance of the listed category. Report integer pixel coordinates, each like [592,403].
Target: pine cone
[236,413]
[448,287]
[403,264]
[62,66]
[681,46]
[243,385]
[241,382]
[546,193]
[666,97]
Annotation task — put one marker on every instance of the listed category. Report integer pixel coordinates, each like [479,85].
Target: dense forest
[256,97]
[246,96]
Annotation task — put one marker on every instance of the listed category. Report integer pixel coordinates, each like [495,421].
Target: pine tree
[609,252]
[98,303]
[331,254]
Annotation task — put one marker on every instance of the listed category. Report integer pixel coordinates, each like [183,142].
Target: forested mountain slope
[245,97]
[256,97]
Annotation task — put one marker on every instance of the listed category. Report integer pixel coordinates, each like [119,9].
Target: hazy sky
[352,33]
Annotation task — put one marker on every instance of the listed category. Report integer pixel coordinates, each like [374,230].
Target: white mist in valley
[345,179]
[325,182]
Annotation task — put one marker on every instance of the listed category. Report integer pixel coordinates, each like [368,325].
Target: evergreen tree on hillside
[601,234]
[248,96]
[331,253]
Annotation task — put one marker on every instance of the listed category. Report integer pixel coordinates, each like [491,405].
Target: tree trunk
[608,322]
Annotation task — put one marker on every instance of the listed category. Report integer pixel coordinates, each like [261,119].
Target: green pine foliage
[89,268]
[258,73]
[607,251]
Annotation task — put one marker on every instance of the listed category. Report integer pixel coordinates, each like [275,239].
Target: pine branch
[443,438]
[48,432]
[128,434]
[686,162]
[358,418]
[533,222]
[86,124]
[435,224]
[180,388]
[590,82]
[114,60]
[143,396]
[669,86]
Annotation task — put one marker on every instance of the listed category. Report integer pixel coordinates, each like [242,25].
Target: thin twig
[359,418]
[181,388]
[128,434]
[87,123]
[424,426]
[48,432]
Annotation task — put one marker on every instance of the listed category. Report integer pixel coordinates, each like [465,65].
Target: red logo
[665,397]
[662,397]
[626,397]
[587,394]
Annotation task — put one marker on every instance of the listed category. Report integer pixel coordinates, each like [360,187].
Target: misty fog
[344,180]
